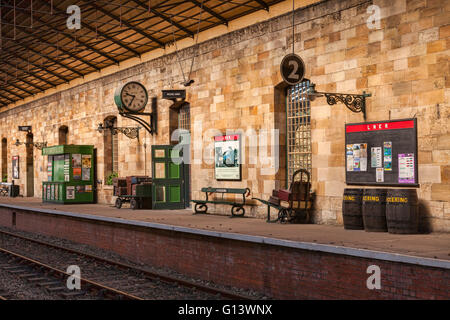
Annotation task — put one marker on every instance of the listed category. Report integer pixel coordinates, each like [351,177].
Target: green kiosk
[70,171]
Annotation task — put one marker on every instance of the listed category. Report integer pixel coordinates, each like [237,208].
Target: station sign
[173,94]
[25,128]
[292,69]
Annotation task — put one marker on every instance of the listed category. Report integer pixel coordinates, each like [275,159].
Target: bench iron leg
[198,208]
[235,209]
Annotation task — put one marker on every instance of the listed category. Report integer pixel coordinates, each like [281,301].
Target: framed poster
[15,167]
[227,157]
[86,167]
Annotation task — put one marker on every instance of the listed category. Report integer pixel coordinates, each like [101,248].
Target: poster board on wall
[382,153]
[227,157]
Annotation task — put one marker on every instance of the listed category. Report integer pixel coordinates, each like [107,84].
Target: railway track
[105,277]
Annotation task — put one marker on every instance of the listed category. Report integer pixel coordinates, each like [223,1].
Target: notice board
[382,153]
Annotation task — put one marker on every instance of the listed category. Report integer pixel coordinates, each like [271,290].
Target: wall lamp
[37,145]
[354,102]
[130,132]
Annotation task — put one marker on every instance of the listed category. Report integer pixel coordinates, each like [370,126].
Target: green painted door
[168,191]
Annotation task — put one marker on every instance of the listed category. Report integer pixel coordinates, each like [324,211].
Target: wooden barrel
[351,209]
[374,210]
[402,211]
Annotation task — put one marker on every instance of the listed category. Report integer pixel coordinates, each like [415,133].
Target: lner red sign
[381,126]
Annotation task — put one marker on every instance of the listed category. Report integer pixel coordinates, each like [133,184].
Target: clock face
[134,96]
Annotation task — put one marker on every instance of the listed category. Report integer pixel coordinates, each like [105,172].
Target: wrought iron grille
[115,148]
[298,114]
[184,117]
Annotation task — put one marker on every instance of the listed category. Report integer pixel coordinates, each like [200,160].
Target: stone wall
[403,64]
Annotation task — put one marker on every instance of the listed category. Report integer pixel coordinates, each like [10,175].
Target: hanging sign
[25,128]
[173,94]
[292,69]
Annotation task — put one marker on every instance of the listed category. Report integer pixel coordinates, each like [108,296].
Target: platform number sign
[292,69]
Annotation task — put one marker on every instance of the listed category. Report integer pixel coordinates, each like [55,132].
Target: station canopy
[38,51]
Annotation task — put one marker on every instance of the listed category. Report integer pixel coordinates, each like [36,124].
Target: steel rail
[90,284]
[152,274]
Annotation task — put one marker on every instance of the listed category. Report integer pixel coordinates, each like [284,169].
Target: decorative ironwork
[130,132]
[354,102]
[149,126]
[37,145]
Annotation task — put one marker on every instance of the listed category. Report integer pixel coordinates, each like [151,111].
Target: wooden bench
[237,208]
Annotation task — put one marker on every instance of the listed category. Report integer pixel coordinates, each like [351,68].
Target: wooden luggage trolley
[293,205]
[137,190]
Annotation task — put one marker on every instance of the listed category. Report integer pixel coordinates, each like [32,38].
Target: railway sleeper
[72,294]
[17,271]
[28,275]
[48,283]
[36,279]
[55,289]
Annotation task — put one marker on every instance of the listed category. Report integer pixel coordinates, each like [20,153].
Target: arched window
[30,165]
[298,144]
[63,135]
[184,117]
[111,146]
[4,160]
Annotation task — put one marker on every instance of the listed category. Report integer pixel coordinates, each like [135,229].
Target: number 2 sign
[292,69]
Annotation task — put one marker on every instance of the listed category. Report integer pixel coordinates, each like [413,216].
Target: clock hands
[131,95]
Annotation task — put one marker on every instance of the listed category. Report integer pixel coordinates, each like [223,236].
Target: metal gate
[298,122]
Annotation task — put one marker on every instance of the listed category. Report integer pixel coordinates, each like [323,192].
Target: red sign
[232,137]
[380,126]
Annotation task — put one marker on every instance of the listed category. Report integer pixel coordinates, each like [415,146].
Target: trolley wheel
[283,215]
[118,203]
[134,204]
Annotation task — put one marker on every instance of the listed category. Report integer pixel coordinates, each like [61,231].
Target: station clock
[131,96]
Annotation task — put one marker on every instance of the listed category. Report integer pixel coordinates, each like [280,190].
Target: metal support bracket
[150,126]
[354,102]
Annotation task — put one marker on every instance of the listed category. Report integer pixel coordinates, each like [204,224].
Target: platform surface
[433,245]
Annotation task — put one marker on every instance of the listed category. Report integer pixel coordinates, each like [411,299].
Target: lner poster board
[227,157]
[382,153]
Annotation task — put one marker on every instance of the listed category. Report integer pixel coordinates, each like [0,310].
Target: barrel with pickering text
[351,209]
[402,211]
[374,210]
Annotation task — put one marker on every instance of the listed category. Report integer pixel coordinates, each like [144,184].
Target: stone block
[440,192]
[436,46]
[429,173]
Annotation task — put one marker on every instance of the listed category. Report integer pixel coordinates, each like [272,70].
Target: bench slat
[224,190]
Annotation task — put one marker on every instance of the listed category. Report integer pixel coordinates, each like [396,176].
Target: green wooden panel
[160,195]
[174,194]
[174,171]
[174,154]
[61,149]
[168,185]
[58,168]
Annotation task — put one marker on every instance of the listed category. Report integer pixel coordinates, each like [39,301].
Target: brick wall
[403,64]
[280,272]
